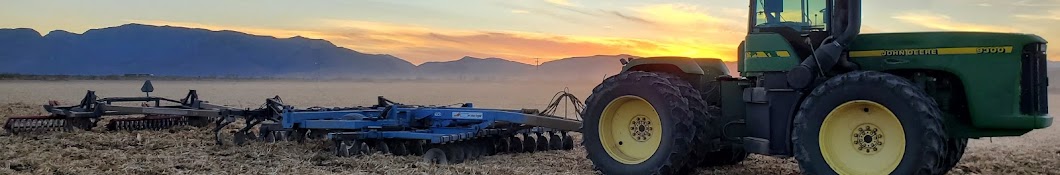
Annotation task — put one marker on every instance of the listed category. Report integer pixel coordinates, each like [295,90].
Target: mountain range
[191,52]
[180,51]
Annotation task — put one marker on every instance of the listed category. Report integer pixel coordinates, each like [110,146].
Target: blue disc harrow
[441,134]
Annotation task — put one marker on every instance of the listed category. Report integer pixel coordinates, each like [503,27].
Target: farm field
[189,150]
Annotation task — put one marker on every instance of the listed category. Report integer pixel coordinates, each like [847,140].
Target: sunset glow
[520,30]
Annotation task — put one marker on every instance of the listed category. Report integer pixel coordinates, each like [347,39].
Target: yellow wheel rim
[862,137]
[630,129]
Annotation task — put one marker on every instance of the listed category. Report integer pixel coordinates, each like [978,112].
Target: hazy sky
[521,30]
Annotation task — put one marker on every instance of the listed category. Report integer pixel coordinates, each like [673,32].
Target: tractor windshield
[801,15]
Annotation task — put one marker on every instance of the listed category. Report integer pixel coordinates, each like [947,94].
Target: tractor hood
[924,40]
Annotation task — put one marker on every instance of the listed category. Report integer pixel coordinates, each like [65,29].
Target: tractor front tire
[954,151]
[868,122]
[638,123]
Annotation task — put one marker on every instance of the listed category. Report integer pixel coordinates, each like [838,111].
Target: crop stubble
[188,150]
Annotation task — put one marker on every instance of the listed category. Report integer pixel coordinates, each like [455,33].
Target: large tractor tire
[869,123]
[954,151]
[706,134]
[638,123]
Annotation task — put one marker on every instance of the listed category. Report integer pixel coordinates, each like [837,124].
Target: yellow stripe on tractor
[933,51]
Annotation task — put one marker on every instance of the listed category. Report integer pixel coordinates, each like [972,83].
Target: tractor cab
[804,23]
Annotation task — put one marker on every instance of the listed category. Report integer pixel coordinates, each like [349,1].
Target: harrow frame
[461,132]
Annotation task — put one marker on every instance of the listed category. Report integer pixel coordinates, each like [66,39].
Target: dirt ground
[189,150]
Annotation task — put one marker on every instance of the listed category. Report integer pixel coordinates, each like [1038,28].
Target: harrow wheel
[515,144]
[470,151]
[529,144]
[502,145]
[298,135]
[568,142]
[416,147]
[360,148]
[490,146]
[455,153]
[382,147]
[240,138]
[398,148]
[435,156]
[542,143]
[25,124]
[269,137]
[278,135]
[342,148]
[555,142]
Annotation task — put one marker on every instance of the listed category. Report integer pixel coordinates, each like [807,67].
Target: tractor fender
[673,65]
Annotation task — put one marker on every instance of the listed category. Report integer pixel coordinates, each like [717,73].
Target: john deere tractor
[810,86]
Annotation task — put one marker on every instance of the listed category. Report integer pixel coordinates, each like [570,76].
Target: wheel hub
[630,130]
[640,128]
[862,137]
[868,139]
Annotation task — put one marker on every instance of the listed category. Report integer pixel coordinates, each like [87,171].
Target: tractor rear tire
[954,151]
[638,123]
[896,127]
[706,136]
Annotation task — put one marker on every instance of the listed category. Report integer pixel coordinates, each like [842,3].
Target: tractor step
[28,124]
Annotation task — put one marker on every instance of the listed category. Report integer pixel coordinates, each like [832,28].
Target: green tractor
[810,86]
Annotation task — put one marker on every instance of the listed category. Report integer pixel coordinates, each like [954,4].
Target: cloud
[630,18]
[419,44]
[1051,15]
[1036,3]
[562,3]
[691,18]
[936,21]
[520,11]
[279,33]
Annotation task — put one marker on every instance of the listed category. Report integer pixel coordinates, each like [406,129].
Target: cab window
[801,15]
